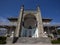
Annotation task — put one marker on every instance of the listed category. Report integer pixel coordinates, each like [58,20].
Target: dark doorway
[30,34]
[30,27]
[30,31]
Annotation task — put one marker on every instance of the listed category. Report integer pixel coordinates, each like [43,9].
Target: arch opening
[29,28]
[30,21]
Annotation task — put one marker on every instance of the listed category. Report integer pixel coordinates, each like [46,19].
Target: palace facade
[30,24]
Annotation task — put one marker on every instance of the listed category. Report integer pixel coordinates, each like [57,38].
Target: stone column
[8,31]
[40,24]
[56,29]
[48,30]
[18,27]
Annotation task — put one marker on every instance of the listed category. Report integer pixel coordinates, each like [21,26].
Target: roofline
[17,18]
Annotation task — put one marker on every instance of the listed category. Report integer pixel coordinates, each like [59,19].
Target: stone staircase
[28,40]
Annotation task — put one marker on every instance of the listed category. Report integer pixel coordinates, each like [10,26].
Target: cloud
[4,21]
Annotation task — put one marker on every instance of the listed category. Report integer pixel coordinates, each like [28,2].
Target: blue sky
[49,8]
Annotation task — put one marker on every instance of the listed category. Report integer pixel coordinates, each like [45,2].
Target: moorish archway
[29,26]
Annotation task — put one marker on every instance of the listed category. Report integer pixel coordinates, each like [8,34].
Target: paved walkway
[32,44]
[28,44]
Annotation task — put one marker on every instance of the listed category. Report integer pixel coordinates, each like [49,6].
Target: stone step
[27,40]
[9,40]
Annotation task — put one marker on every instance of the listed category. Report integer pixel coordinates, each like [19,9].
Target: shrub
[2,40]
[56,41]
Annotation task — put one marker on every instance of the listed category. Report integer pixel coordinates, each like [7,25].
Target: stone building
[29,24]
